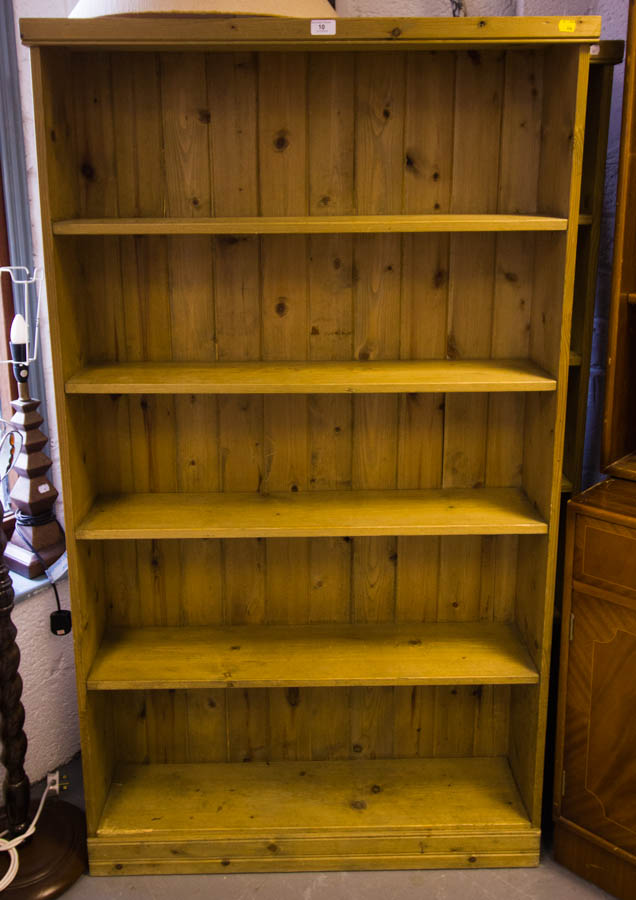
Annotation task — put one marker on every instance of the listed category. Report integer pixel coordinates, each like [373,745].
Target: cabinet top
[255,32]
[614,499]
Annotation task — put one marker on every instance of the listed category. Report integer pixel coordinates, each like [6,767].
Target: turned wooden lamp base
[48,541]
[38,539]
[54,858]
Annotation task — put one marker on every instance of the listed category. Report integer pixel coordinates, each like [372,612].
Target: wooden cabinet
[595,805]
[310,300]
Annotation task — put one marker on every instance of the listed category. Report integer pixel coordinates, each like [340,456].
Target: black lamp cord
[22,519]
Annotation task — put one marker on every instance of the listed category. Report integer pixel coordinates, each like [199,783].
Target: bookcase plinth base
[313,816]
[450,850]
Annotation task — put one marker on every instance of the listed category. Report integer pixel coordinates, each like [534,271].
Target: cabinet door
[600,733]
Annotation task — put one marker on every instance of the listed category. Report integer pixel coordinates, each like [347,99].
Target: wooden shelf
[311,224]
[263,32]
[435,376]
[385,813]
[585,218]
[566,485]
[575,358]
[287,797]
[311,514]
[311,655]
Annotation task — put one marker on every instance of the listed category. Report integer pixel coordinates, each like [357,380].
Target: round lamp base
[54,858]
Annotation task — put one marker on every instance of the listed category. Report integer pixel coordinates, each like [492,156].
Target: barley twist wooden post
[16,788]
[55,856]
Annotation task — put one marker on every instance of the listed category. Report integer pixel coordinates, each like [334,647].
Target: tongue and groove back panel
[398,133]
[232,134]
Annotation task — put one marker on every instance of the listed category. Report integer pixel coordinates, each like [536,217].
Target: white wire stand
[22,279]
[6,428]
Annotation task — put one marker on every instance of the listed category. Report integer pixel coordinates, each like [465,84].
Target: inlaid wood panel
[599,750]
[604,558]
[595,828]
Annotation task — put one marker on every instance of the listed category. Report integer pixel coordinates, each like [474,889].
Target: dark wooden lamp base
[38,539]
[54,858]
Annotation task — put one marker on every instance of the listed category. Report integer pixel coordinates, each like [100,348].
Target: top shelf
[311,224]
[209,31]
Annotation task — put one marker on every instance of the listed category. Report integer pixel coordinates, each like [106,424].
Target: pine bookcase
[310,301]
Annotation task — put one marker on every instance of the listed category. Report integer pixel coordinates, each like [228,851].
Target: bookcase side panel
[56,156]
[560,175]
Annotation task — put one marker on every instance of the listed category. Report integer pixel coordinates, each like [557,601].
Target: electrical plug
[61,621]
[53,782]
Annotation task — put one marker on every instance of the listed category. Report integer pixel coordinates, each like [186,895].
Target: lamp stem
[16,788]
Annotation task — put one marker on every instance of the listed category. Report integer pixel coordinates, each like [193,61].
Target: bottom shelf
[286,816]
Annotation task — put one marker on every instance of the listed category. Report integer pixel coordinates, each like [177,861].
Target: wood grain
[280,655]
[295,224]
[325,799]
[311,513]
[117,31]
[447,376]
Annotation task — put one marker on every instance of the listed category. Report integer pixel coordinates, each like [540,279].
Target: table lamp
[38,539]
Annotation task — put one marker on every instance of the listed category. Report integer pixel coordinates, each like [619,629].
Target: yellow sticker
[567,25]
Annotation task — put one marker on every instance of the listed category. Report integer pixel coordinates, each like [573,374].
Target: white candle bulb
[19,332]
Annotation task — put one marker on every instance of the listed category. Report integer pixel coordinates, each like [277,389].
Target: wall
[614,26]
[614,12]
[47,666]
[48,674]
